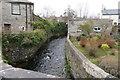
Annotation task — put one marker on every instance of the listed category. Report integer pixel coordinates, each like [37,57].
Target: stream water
[52,59]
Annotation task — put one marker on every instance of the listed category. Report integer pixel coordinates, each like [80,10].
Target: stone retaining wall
[81,67]
[7,71]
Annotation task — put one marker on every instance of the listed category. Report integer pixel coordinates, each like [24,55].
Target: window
[119,16]
[97,29]
[119,24]
[115,23]
[16,9]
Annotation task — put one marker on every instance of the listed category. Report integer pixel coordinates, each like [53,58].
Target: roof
[19,1]
[111,12]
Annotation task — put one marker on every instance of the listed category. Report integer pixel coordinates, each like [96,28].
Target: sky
[57,7]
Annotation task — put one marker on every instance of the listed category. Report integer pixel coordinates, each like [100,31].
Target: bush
[98,36]
[100,42]
[83,42]
[60,28]
[92,46]
[50,28]
[43,24]
[24,39]
[81,36]
[110,42]
[104,46]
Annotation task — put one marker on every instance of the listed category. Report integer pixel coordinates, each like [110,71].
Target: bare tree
[69,13]
[105,28]
[85,13]
[48,12]
[80,9]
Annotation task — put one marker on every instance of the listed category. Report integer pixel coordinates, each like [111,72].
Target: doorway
[7,28]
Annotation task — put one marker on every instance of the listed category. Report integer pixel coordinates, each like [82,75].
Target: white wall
[113,17]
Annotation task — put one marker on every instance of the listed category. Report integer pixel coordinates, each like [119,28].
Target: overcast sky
[58,7]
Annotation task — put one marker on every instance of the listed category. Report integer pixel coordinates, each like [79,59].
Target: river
[52,59]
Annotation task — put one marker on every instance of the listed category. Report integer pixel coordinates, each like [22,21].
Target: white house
[113,14]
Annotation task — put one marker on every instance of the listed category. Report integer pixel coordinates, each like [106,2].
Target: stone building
[15,15]
[74,24]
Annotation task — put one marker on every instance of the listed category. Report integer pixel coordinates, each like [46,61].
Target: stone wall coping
[7,71]
[89,67]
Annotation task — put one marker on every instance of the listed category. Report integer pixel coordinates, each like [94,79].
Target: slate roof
[22,1]
[111,12]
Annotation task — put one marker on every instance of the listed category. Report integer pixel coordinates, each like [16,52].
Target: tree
[80,10]
[69,13]
[85,11]
[87,27]
[48,12]
[105,26]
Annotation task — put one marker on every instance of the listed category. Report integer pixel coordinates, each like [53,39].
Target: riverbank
[26,44]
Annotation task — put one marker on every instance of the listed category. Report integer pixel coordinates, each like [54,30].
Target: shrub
[104,46]
[92,51]
[83,42]
[24,39]
[110,64]
[100,42]
[43,24]
[110,42]
[92,46]
[81,36]
[98,36]
[60,28]
[87,27]
[50,28]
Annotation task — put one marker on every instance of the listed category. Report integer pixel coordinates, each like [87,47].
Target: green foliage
[99,36]
[81,36]
[43,24]
[68,67]
[5,61]
[24,39]
[87,27]
[60,28]
[50,27]
[68,64]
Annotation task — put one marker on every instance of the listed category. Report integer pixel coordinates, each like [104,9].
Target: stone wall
[19,54]
[74,24]
[81,67]
[7,71]
[17,21]
[0,17]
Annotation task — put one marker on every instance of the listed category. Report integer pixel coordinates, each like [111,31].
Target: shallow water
[52,59]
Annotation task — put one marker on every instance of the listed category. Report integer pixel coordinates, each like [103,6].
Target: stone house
[15,15]
[74,24]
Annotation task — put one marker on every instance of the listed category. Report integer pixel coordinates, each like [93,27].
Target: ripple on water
[52,61]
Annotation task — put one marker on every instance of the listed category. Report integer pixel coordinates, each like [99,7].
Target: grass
[100,52]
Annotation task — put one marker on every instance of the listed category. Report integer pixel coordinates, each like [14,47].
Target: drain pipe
[26,18]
